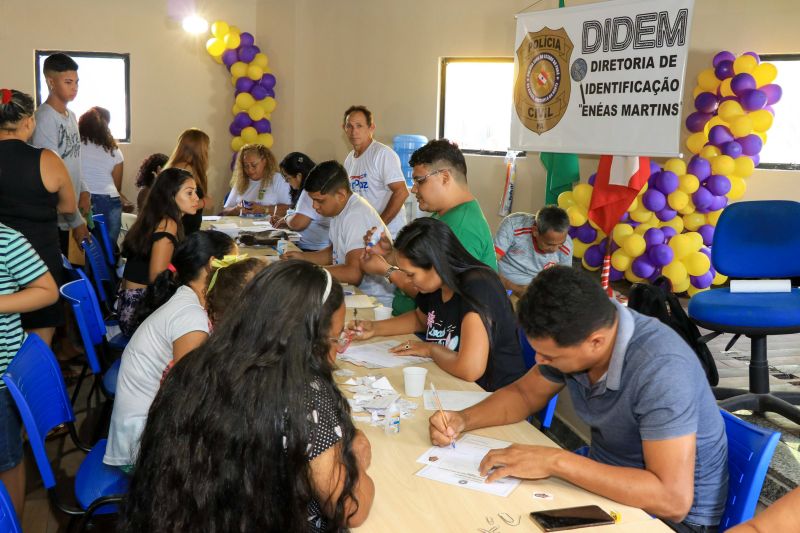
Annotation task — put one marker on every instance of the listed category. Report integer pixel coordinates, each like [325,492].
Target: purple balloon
[669,232]
[262,126]
[773,92]
[706,250]
[718,185]
[726,98]
[751,144]
[723,56]
[699,167]
[586,233]
[642,266]
[696,121]
[706,102]
[654,200]
[593,256]
[719,135]
[267,81]
[653,236]
[724,69]
[770,109]
[753,100]
[242,120]
[229,57]
[654,167]
[753,54]
[615,275]
[707,232]
[666,215]
[625,217]
[732,149]
[592,179]
[244,84]
[572,231]
[603,245]
[718,203]
[235,129]
[702,198]
[661,254]
[258,92]
[742,82]
[246,39]
[702,282]
[756,159]
[247,53]
[667,182]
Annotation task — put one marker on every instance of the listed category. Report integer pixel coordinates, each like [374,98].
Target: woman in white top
[101,167]
[312,226]
[256,186]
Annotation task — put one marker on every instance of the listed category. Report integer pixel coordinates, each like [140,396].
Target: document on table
[460,465]
[376,355]
[211,218]
[360,301]
[453,400]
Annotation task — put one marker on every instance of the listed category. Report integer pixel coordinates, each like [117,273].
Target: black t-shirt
[490,301]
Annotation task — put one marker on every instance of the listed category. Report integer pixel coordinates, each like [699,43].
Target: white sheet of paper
[376,355]
[453,400]
[360,301]
[263,223]
[112,331]
[211,218]
[224,225]
[501,487]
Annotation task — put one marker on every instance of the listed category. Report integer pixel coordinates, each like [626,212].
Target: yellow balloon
[565,200]
[245,101]
[269,105]
[217,59]
[219,28]
[742,126]
[633,278]
[764,73]
[641,229]
[695,239]
[697,263]
[677,200]
[708,80]
[215,46]
[692,290]
[709,152]
[713,217]
[688,183]
[261,60]
[676,223]
[256,112]
[254,72]
[723,164]
[579,248]
[634,205]
[237,143]
[619,233]
[696,92]
[620,260]
[725,88]
[643,189]
[265,139]
[676,166]
[693,221]
[715,121]
[681,286]
[582,193]
[235,29]
[236,109]
[675,271]
[642,214]
[587,266]
[239,69]
[719,279]
[744,166]
[634,245]
[729,110]
[232,40]
[688,209]
[681,245]
[762,119]
[762,135]
[744,63]
[696,141]
[738,188]
[577,215]
[249,134]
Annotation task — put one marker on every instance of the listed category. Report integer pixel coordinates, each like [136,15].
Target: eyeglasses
[342,342]
[418,180]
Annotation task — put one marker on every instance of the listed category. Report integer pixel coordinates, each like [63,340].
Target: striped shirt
[19,266]
[519,260]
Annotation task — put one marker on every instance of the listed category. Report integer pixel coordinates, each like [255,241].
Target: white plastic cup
[382,313]
[414,378]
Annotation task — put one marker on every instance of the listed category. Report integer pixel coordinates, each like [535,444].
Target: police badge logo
[542,86]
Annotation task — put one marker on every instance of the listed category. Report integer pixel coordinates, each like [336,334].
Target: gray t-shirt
[60,134]
[519,260]
[655,389]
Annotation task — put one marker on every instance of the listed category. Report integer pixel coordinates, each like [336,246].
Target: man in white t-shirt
[351,216]
[374,169]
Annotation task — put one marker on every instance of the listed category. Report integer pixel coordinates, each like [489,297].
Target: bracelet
[389,271]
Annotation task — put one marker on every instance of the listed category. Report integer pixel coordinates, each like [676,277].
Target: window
[104,81]
[475,103]
[780,151]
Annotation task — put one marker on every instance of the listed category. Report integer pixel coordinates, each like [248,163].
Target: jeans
[689,527]
[111,208]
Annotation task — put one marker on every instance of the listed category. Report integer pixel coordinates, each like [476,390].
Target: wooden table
[408,503]
[267,252]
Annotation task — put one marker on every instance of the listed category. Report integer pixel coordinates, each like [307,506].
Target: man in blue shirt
[658,439]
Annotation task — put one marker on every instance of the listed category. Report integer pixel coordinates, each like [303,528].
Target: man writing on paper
[658,439]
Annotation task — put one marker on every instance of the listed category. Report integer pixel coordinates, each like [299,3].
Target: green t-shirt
[470,226]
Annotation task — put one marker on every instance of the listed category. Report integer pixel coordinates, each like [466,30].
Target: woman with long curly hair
[148,170]
[257,187]
[191,154]
[249,432]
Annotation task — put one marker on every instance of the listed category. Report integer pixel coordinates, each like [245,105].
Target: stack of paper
[376,355]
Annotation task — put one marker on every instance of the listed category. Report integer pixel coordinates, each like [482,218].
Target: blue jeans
[111,208]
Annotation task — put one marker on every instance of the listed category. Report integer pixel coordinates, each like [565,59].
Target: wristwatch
[389,271]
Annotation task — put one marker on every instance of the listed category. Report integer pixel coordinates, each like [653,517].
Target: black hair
[441,152]
[190,260]
[148,169]
[297,163]
[566,305]
[430,243]
[20,106]
[358,109]
[228,286]
[160,204]
[225,447]
[552,218]
[327,177]
[59,63]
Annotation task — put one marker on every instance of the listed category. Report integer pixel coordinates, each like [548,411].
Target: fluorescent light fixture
[195,24]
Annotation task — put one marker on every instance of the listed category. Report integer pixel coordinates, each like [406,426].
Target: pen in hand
[441,412]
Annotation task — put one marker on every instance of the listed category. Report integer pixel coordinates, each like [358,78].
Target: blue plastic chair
[754,240]
[101,231]
[529,355]
[750,450]
[34,380]
[99,272]
[8,516]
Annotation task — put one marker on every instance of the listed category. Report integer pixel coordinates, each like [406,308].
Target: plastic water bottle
[280,247]
[391,419]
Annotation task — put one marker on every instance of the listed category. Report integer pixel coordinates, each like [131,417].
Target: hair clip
[172,268]
[6,96]
[219,264]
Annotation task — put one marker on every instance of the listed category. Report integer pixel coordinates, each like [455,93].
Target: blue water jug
[405,145]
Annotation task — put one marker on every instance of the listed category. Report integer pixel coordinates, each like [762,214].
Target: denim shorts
[10,432]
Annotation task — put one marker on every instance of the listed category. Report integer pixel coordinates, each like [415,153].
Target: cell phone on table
[571,518]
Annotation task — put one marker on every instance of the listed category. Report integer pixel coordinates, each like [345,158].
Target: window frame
[779,166]
[443,62]
[125,57]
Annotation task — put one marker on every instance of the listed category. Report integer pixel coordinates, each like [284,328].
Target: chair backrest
[88,316]
[8,516]
[750,450]
[35,382]
[758,240]
[99,270]
[529,356]
[102,230]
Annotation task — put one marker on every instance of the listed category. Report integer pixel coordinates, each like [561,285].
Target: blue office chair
[8,516]
[545,416]
[34,380]
[101,232]
[750,450]
[754,240]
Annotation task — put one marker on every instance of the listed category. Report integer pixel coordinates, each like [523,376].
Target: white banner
[604,78]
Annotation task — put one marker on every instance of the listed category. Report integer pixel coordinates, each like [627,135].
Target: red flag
[618,181]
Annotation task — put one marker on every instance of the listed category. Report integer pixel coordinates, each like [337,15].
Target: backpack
[658,301]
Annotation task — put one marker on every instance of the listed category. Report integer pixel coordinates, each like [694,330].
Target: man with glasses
[526,244]
[440,185]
